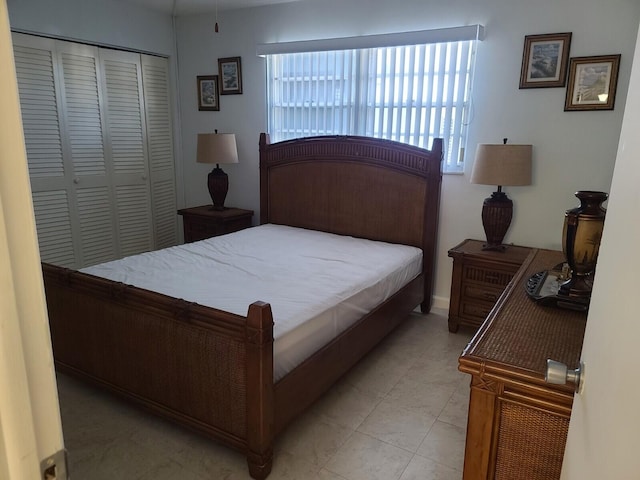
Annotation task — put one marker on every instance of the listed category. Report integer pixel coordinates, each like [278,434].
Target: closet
[98,134]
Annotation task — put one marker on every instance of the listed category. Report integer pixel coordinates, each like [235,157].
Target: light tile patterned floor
[400,414]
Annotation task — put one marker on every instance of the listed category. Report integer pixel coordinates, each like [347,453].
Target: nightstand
[204,222]
[479,278]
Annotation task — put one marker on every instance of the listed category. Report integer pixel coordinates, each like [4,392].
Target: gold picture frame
[208,93]
[544,60]
[592,83]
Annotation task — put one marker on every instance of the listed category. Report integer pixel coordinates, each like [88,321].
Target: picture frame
[230,72]
[592,83]
[208,93]
[544,60]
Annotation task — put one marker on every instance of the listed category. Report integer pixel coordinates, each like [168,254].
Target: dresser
[479,278]
[517,426]
[204,222]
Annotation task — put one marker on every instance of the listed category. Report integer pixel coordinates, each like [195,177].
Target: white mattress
[318,284]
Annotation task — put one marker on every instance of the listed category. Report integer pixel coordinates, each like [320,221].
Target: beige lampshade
[217,148]
[502,164]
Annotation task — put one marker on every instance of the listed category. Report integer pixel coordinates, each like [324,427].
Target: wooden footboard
[201,367]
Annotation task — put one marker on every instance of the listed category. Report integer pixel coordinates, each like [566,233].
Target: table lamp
[500,165]
[217,148]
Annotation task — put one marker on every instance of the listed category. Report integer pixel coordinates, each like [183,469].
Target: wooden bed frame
[212,370]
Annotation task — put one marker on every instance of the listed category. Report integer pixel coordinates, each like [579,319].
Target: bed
[213,370]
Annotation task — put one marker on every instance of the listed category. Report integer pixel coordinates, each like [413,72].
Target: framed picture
[230,73]
[592,83]
[544,60]
[208,93]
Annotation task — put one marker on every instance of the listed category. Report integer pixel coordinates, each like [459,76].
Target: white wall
[572,150]
[104,22]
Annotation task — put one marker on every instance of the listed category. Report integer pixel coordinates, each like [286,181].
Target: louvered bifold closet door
[52,190]
[127,149]
[81,102]
[155,79]
[63,126]
[100,157]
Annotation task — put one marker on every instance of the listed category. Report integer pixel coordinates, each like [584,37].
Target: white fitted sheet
[318,284]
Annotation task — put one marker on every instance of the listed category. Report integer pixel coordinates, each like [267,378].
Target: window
[411,94]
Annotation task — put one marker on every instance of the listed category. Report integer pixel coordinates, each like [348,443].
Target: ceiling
[190,7]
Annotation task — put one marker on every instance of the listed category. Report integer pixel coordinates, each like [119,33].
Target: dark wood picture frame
[592,83]
[230,72]
[544,60]
[208,93]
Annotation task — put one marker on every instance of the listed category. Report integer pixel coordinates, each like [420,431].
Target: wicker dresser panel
[517,425]
[524,334]
[530,443]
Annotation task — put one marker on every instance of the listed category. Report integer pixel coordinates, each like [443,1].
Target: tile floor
[400,414]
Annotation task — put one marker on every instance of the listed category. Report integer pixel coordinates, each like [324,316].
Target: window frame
[394,45]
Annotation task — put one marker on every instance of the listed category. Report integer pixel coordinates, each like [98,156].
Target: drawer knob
[558,374]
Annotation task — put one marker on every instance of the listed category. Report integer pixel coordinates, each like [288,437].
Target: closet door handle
[76,180]
[144,177]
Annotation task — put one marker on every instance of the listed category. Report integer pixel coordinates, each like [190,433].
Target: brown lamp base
[218,183]
[497,211]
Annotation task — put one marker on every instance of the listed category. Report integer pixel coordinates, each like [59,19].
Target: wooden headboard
[359,186]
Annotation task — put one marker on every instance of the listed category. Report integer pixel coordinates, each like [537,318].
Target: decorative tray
[543,288]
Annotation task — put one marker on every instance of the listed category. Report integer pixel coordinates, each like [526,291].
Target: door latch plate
[54,467]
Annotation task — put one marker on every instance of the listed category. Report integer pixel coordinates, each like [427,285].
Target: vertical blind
[410,94]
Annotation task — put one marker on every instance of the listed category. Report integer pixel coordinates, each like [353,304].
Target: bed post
[264,179]
[430,236]
[260,406]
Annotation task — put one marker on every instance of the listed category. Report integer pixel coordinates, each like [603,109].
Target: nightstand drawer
[494,276]
[478,279]
[196,230]
[475,312]
[481,292]
[204,222]
[235,225]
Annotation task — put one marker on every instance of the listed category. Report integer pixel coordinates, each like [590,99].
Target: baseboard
[440,303]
